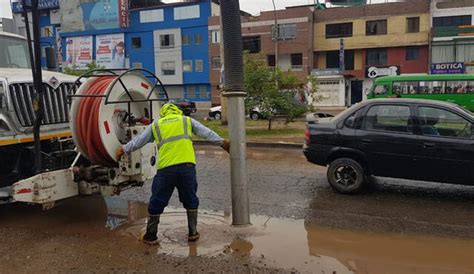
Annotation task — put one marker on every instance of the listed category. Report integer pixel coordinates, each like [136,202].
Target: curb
[286,145]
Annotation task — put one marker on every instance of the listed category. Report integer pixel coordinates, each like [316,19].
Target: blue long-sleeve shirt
[147,136]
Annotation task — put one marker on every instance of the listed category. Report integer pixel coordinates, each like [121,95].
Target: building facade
[294,45]
[170,40]
[452,32]
[354,45]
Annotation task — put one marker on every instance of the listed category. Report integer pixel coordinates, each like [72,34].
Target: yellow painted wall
[322,60]
[358,60]
[396,34]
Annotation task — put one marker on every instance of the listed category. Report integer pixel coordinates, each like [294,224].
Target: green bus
[454,88]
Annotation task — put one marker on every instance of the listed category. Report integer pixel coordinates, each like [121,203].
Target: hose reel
[106,104]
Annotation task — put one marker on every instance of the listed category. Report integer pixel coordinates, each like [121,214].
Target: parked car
[401,138]
[216,113]
[187,106]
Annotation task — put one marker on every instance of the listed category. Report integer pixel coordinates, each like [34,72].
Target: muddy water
[296,244]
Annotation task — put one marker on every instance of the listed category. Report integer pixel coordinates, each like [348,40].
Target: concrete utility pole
[234,82]
[224,119]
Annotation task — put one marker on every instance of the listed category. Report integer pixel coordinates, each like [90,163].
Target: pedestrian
[176,165]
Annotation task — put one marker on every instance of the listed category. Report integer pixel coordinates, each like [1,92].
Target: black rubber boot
[192,224]
[150,236]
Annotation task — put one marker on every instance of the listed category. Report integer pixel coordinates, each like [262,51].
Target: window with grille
[216,63]
[187,66]
[199,65]
[168,68]
[297,61]
[167,41]
[413,24]
[376,57]
[412,53]
[339,30]
[378,27]
[215,37]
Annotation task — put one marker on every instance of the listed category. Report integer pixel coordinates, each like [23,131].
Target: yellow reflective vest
[173,135]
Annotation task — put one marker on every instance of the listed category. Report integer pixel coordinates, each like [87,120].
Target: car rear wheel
[217,116]
[187,111]
[346,175]
[254,116]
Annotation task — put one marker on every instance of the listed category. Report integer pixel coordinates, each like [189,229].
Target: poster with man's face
[110,51]
[78,52]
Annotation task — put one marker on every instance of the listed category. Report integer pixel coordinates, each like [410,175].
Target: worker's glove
[226,146]
[119,152]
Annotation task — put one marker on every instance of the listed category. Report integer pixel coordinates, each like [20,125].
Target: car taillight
[307,137]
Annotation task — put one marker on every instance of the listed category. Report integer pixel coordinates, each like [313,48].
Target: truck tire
[346,176]
[218,115]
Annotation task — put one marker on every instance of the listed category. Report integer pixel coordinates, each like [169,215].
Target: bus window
[456,87]
[405,87]
[470,87]
[381,90]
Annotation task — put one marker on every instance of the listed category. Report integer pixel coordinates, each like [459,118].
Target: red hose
[87,123]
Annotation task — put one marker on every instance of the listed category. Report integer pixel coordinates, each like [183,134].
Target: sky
[5,10]
[256,6]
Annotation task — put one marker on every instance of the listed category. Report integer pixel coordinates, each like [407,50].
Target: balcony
[466,30]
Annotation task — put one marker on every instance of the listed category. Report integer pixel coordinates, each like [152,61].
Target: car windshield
[13,53]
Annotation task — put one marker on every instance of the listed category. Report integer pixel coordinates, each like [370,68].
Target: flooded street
[298,225]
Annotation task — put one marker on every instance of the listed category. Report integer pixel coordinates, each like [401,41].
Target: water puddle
[296,244]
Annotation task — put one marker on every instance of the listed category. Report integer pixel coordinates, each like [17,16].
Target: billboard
[374,72]
[78,52]
[110,50]
[17,7]
[448,68]
[89,15]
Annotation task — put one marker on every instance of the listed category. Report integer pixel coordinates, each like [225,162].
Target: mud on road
[299,224]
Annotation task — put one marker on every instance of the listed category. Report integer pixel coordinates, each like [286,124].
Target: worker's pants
[183,177]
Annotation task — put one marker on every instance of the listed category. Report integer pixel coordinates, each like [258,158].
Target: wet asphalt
[299,225]
[283,184]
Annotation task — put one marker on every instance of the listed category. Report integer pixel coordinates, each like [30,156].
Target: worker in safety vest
[176,165]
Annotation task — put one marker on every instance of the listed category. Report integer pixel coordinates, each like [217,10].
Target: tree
[275,92]
[78,72]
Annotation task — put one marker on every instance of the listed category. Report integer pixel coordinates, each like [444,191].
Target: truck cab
[17,113]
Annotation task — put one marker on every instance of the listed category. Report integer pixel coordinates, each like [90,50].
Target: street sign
[448,68]
[342,65]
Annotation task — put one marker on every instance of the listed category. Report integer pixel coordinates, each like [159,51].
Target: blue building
[171,40]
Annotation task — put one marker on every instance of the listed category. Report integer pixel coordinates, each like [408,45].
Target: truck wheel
[346,175]
[217,116]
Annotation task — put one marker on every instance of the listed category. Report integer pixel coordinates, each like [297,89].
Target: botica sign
[374,72]
[448,68]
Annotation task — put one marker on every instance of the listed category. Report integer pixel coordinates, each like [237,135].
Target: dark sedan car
[400,138]
[187,106]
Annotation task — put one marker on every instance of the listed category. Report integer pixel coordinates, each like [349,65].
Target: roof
[434,77]
[369,10]
[410,101]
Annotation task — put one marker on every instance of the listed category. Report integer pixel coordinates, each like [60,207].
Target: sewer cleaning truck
[83,121]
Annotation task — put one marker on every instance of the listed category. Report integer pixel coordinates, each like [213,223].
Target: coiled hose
[87,123]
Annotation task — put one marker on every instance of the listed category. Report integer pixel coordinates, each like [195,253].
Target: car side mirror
[50,58]
[350,122]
